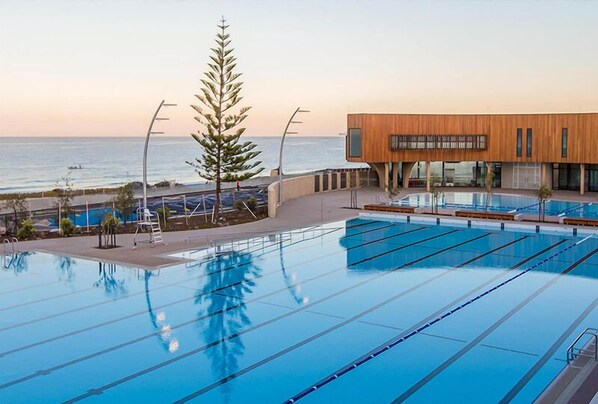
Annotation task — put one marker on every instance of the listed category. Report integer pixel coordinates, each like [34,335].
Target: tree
[224,156]
[65,194]
[124,201]
[489,183]
[436,194]
[17,205]
[544,193]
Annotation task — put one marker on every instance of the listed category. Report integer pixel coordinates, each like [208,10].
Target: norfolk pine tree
[224,157]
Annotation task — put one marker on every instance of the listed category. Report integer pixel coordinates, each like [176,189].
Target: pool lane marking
[546,357]
[404,336]
[492,251]
[8,292]
[163,286]
[55,338]
[257,326]
[139,339]
[74,292]
[425,380]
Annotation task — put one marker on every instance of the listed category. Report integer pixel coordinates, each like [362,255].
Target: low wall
[310,184]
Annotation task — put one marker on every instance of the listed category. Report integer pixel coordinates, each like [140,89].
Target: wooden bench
[474,214]
[390,208]
[580,221]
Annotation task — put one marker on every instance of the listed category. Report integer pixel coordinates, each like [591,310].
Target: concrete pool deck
[301,212]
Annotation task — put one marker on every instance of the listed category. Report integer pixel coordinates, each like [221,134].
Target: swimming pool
[467,315]
[503,203]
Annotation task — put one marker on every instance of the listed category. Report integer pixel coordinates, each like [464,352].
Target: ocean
[29,164]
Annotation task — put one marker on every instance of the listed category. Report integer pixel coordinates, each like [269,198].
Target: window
[355,142]
[564,136]
[519,141]
[528,146]
[433,142]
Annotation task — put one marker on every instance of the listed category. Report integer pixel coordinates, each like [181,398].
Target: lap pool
[503,203]
[360,311]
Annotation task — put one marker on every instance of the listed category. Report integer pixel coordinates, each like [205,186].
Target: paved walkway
[302,212]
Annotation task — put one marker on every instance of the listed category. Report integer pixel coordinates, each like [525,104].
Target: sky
[100,68]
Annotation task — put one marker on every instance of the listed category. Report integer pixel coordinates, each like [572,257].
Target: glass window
[519,141]
[355,142]
[482,142]
[564,136]
[528,148]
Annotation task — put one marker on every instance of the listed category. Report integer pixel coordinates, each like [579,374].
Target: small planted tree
[224,158]
[124,201]
[65,194]
[544,193]
[393,194]
[489,184]
[17,204]
[436,194]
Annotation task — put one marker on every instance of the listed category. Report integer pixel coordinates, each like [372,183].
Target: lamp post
[149,132]
[286,132]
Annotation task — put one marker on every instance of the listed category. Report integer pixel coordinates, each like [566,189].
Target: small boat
[79,167]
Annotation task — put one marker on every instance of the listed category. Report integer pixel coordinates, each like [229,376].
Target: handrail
[573,353]
[15,245]
[5,243]
[260,235]
[241,234]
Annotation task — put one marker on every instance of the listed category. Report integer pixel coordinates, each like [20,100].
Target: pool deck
[301,212]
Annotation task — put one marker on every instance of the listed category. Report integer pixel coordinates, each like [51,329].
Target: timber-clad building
[523,150]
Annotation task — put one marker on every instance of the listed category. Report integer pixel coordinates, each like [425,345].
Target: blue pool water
[503,203]
[469,315]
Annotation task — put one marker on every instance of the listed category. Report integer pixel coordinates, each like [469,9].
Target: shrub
[110,223]
[67,227]
[252,203]
[164,214]
[239,205]
[26,231]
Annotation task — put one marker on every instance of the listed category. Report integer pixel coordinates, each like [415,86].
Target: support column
[544,175]
[407,167]
[428,176]
[386,175]
[395,175]
[582,178]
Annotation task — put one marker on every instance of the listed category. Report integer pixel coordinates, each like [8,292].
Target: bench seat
[579,221]
[475,214]
[389,208]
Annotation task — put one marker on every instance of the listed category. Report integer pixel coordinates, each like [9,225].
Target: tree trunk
[217,202]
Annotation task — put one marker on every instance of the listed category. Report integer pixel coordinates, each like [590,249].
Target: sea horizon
[108,161]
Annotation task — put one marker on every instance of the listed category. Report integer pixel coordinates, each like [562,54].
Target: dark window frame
[438,142]
[519,141]
[529,140]
[564,142]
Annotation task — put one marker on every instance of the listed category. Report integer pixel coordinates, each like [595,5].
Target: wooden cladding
[501,133]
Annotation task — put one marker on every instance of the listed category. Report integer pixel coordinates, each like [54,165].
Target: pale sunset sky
[99,68]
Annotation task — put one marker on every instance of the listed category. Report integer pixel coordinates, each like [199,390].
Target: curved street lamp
[149,132]
[286,132]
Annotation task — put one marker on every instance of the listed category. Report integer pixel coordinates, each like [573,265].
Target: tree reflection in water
[165,334]
[64,268]
[232,276]
[107,280]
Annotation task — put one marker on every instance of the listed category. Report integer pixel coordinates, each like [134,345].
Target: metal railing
[12,244]
[573,352]
[259,241]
